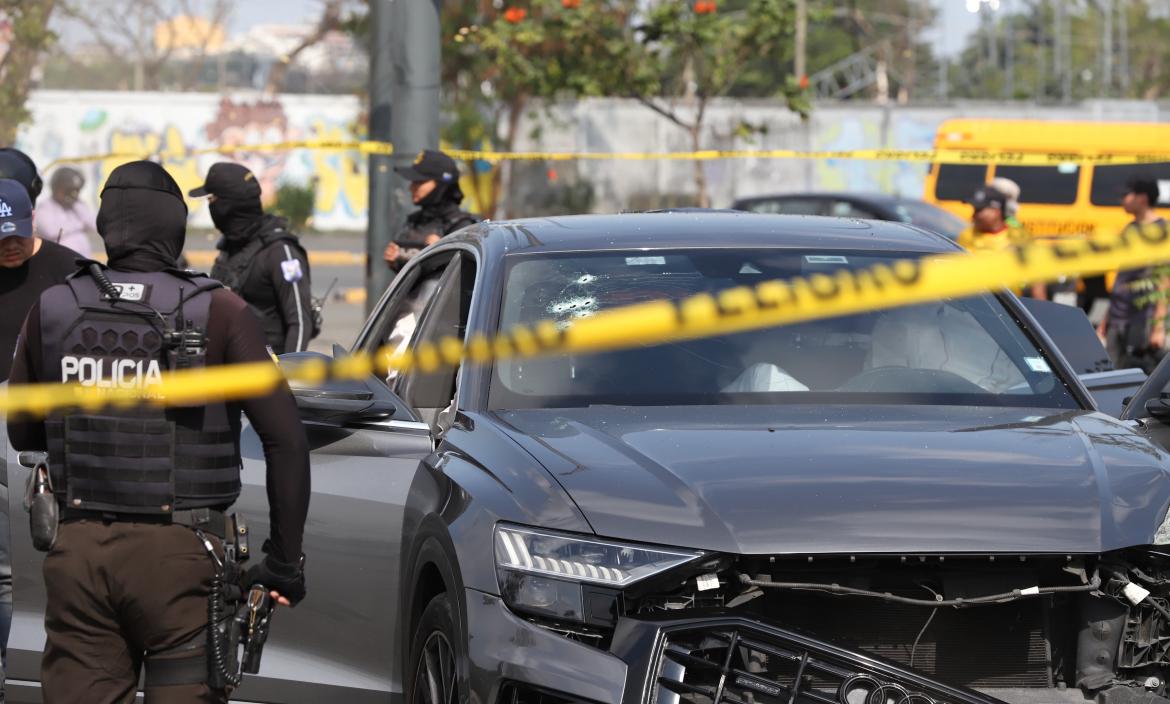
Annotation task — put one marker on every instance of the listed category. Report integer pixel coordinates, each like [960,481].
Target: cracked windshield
[966,351]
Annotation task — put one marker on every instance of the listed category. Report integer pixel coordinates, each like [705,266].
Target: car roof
[873,197]
[705,229]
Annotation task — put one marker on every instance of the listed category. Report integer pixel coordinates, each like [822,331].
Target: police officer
[128,578]
[260,259]
[434,188]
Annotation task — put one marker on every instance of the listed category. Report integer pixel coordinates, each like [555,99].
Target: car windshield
[928,217]
[956,352]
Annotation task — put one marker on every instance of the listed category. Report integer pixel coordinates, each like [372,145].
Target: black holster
[44,513]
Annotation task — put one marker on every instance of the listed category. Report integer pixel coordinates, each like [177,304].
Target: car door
[340,643]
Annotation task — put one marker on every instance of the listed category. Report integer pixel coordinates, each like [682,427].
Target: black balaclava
[236,217]
[444,196]
[142,218]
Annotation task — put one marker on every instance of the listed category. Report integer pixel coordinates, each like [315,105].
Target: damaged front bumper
[709,659]
[722,659]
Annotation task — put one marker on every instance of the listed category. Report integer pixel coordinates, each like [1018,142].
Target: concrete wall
[67,124]
[620,125]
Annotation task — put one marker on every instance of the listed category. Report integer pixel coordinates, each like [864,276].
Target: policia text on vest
[141,484]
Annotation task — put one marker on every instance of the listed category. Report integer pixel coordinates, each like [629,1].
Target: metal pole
[1123,39]
[1107,48]
[800,67]
[404,110]
[1009,51]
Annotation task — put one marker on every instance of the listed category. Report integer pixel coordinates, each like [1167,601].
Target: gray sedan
[905,506]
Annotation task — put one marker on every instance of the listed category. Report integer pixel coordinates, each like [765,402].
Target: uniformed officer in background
[127,577]
[260,259]
[434,187]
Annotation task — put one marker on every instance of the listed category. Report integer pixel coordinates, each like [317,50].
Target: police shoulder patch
[291,268]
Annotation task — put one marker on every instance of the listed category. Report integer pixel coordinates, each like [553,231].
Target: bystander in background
[1134,328]
[62,217]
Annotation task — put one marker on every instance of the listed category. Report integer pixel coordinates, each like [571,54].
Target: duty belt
[208,520]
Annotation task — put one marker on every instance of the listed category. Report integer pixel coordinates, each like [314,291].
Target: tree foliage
[673,57]
[29,21]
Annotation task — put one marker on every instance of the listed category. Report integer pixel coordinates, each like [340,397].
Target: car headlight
[570,577]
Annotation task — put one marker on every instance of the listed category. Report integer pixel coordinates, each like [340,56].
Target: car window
[445,317]
[788,206]
[1109,182]
[846,209]
[395,323]
[1053,185]
[929,217]
[959,181]
[967,351]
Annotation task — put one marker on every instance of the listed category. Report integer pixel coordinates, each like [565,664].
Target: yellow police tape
[939,156]
[771,303]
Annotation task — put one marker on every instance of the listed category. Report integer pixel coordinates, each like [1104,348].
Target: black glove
[284,577]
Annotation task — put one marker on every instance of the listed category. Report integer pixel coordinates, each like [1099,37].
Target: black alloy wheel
[433,661]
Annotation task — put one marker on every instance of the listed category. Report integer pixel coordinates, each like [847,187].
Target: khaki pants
[119,593]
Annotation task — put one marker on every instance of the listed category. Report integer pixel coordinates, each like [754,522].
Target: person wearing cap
[990,228]
[260,258]
[142,490]
[62,217]
[1134,327]
[28,265]
[434,188]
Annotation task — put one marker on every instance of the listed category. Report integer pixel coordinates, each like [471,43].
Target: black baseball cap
[228,180]
[988,197]
[1144,185]
[18,166]
[16,210]
[430,164]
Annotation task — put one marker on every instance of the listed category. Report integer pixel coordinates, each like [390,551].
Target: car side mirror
[339,402]
[1159,408]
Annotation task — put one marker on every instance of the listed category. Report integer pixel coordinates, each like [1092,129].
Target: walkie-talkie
[187,345]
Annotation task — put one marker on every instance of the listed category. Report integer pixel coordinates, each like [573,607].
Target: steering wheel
[907,380]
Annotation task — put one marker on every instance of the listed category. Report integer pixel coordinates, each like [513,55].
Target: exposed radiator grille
[987,646]
[740,663]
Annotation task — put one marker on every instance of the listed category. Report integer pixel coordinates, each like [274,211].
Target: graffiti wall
[70,124]
[67,124]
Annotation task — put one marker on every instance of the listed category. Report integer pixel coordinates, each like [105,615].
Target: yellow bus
[1062,200]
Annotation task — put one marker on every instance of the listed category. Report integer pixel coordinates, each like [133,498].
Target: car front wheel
[432,659]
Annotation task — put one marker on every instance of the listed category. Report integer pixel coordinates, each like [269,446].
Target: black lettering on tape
[907,272]
[1063,251]
[824,287]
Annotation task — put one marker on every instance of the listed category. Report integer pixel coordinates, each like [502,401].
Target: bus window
[1109,181]
[959,181]
[1052,185]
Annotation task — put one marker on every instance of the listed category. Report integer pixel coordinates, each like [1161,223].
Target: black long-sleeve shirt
[233,336]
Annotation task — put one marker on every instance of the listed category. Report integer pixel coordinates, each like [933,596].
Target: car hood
[854,479]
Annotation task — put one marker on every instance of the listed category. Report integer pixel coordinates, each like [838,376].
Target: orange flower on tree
[515,14]
[570,4]
[705,7]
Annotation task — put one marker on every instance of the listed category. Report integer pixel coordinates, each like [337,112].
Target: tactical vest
[233,269]
[145,459]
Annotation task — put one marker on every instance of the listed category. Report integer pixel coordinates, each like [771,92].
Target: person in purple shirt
[62,217]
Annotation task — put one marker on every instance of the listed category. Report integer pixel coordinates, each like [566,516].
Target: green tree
[672,57]
[29,22]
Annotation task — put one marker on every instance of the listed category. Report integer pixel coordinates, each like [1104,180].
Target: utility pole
[800,67]
[1123,39]
[1009,53]
[1107,48]
[404,110]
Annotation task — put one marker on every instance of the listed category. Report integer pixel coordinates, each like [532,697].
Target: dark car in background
[867,206]
[911,506]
